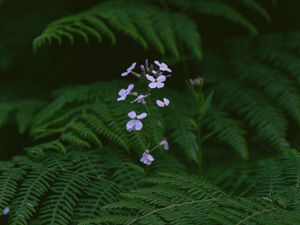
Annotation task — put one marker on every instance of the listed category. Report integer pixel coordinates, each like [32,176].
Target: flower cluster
[154,75]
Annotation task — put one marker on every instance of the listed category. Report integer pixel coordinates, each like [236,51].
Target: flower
[147,158]
[129,69]
[164,103]
[124,92]
[198,81]
[164,143]
[135,123]
[163,66]
[156,82]
[140,99]
[6,210]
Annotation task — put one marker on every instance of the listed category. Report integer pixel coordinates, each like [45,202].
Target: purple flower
[164,103]
[156,82]
[140,99]
[147,158]
[135,123]
[163,66]
[6,210]
[164,143]
[124,92]
[129,70]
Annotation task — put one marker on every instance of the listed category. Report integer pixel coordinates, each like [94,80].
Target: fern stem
[169,207]
[255,214]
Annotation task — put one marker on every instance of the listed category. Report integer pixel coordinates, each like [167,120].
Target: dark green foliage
[259,86]
[62,188]
[183,199]
[82,165]
[146,24]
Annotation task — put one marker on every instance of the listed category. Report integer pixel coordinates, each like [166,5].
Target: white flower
[124,92]
[147,158]
[129,69]
[164,103]
[156,82]
[6,210]
[164,143]
[163,66]
[135,123]
[198,81]
[140,99]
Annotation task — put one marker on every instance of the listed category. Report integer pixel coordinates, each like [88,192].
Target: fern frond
[142,22]
[9,180]
[257,111]
[60,189]
[29,195]
[227,130]
[181,199]
[255,6]
[21,112]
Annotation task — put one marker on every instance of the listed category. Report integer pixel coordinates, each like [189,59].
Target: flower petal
[157,62]
[160,103]
[160,85]
[150,78]
[166,101]
[124,74]
[130,88]
[130,124]
[132,115]
[130,68]
[161,78]
[150,157]
[122,92]
[122,98]
[152,85]
[138,125]
[6,210]
[142,116]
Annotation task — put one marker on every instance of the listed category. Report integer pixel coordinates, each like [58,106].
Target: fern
[92,120]
[145,23]
[258,83]
[175,199]
[228,130]
[21,112]
[61,189]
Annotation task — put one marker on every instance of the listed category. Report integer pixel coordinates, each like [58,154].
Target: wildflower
[163,66]
[140,99]
[124,92]
[135,123]
[164,143]
[198,81]
[164,103]
[156,82]
[129,70]
[147,158]
[6,210]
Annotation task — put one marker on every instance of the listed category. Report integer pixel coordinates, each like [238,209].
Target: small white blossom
[164,143]
[140,99]
[163,66]
[198,81]
[6,210]
[147,158]
[156,82]
[129,70]
[164,103]
[135,122]
[124,92]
